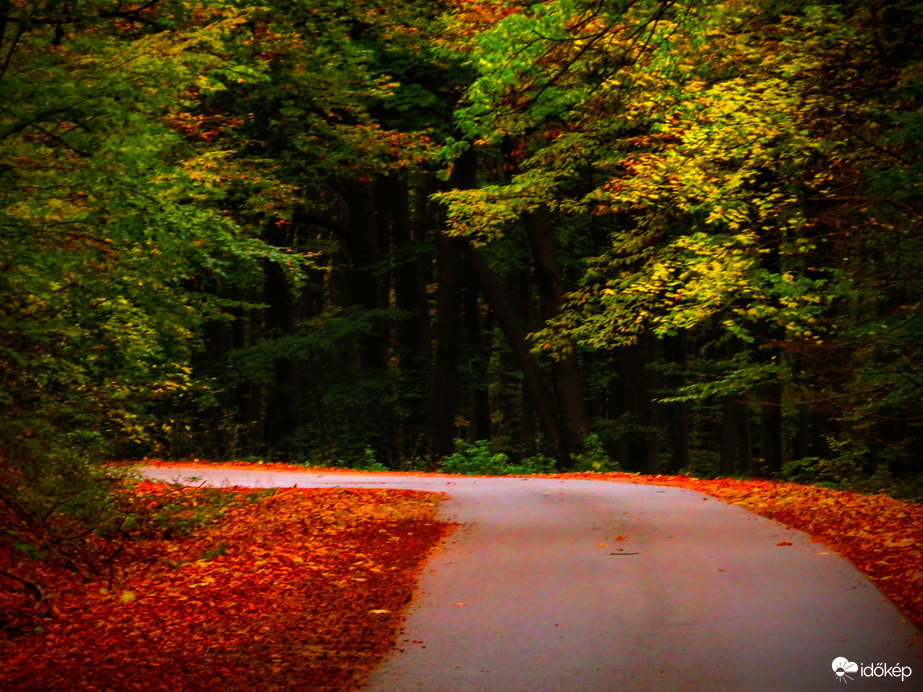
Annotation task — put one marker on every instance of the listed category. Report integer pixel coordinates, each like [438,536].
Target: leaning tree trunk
[545,405]
[566,374]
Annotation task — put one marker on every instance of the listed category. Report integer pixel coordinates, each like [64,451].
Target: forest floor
[306,589]
[280,589]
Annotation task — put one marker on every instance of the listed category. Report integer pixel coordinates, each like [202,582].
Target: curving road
[593,586]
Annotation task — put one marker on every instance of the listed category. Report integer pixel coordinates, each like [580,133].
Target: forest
[645,235]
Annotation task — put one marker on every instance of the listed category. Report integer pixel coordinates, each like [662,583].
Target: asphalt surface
[593,586]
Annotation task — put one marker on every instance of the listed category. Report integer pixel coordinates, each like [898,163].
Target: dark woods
[657,236]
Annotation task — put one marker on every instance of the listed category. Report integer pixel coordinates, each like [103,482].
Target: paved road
[592,586]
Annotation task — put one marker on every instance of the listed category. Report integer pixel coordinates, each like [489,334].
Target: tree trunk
[411,331]
[281,398]
[771,449]
[771,445]
[478,357]
[362,236]
[677,414]
[566,375]
[730,430]
[636,405]
[512,327]
[449,256]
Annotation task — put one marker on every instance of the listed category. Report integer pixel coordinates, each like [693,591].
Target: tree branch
[35,590]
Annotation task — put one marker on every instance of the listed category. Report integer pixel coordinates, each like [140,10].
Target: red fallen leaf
[236,601]
[784,543]
[881,536]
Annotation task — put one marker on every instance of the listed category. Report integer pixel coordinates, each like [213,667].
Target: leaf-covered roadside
[881,536]
[288,589]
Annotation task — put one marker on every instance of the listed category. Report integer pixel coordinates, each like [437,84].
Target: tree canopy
[666,236]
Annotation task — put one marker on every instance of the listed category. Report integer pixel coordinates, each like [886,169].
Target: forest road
[595,586]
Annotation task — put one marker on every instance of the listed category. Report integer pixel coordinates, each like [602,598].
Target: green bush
[535,464]
[475,459]
[595,458]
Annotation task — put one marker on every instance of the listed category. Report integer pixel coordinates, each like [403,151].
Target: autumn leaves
[291,589]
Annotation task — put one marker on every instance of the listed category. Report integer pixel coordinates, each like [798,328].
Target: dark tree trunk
[566,375]
[636,405]
[517,286]
[412,330]
[677,414]
[652,413]
[745,448]
[478,357]
[771,448]
[771,440]
[679,435]
[362,236]
[730,429]
[528,432]
[511,325]
[449,256]
[282,417]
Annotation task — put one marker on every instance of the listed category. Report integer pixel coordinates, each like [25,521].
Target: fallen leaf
[216,618]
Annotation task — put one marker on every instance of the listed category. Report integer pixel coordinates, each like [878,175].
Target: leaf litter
[306,589]
[287,589]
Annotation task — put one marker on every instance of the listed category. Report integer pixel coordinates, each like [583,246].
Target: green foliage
[370,463]
[80,515]
[538,463]
[703,463]
[844,466]
[740,192]
[103,238]
[595,458]
[733,188]
[475,459]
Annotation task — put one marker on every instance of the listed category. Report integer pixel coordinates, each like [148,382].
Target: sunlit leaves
[543,62]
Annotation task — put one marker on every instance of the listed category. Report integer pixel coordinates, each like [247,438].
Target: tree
[340,233]
[709,145]
[101,236]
